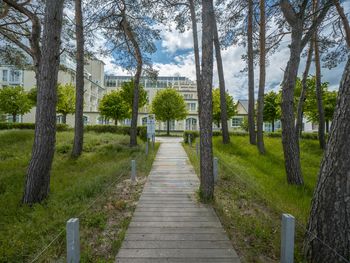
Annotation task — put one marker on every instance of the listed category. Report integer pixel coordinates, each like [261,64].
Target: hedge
[125,130]
[29,126]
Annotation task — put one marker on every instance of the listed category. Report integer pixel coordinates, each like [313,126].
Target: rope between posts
[280,210]
[80,214]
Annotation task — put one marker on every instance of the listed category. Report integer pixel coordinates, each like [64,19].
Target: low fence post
[133,170]
[189,140]
[73,242]
[153,140]
[146,147]
[287,238]
[215,169]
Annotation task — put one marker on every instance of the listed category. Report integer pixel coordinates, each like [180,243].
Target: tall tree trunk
[262,77]
[289,138]
[299,122]
[321,118]
[135,105]
[273,125]
[251,101]
[79,90]
[196,54]
[38,174]
[116,122]
[206,118]
[327,126]
[64,118]
[167,127]
[14,118]
[329,217]
[223,106]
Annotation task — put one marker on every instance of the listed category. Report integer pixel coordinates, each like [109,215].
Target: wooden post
[146,147]
[287,238]
[189,140]
[215,169]
[73,242]
[133,170]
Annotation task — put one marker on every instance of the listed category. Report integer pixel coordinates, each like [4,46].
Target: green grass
[253,192]
[74,185]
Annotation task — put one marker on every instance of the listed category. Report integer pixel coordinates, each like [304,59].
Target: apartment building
[93,86]
[183,85]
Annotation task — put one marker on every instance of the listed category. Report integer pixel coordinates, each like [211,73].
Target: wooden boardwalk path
[169,225]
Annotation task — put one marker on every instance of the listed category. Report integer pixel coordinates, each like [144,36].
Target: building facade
[186,87]
[93,87]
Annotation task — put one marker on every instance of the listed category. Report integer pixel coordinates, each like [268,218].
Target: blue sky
[174,56]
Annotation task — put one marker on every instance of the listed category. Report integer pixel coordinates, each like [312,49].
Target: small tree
[14,101]
[66,100]
[230,105]
[271,108]
[169,105]
[113,106]
[127,94]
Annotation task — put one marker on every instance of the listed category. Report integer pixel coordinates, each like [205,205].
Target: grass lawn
[252,193]
[94,188]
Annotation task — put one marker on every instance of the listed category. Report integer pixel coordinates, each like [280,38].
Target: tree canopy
[169,105]
[66,100]
[272,108]
[127,94]
[231,107]
[14,101]
[113,106]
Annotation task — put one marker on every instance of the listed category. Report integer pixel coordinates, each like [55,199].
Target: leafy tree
[113,106]
[271,108]
[169,105]
[231,107]
[66,100]
[127,94]
[14,101]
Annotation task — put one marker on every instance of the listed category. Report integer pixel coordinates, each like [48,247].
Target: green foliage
[168,105]
[124,130]
[113,106]
[14,101]
[252,192]
[32,95]
[193,134]
[310,105]
[271,107]
[29,126]
[231,107]
[75,184]
[244,124]
[127,94]
[65,99]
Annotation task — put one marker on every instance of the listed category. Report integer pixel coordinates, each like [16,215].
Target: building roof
[244,104]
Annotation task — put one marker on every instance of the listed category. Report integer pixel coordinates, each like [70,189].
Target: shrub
[27,126]
[125,130]
[193,134]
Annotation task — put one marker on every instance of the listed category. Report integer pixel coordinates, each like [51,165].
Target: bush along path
[169,225]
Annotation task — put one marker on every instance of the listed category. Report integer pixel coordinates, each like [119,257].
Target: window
[15,76]
[85,120]
[191,106]
[236,122]
[188,96]
[4,74]
[127,122]
[191,124]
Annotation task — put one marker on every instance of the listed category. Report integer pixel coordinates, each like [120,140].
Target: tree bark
[14,118]
[327,126]
[223,106]
[262,77]
[64,118]
[135,105]
[79,89]
[168,127]
[273,125]
[329,217]
[321,117]
[196,54]
[251,101]
[299,121]
[289,139]
[206,118]
[38,174]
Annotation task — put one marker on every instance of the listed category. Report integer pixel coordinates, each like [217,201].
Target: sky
[174,56]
